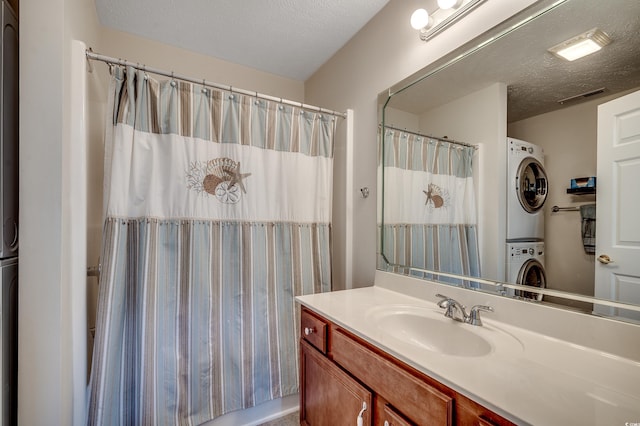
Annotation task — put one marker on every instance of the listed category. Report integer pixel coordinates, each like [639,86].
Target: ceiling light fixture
[448,12]
[581,45]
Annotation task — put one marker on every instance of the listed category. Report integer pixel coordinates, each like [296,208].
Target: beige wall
[159,55]
[569,139]
[384,52]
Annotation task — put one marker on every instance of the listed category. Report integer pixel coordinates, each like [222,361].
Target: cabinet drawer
[419,402]
[314,330]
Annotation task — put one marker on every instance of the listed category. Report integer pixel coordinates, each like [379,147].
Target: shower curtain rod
[116,61]
[431,137]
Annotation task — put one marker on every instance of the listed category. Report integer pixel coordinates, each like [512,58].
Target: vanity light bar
[442,18]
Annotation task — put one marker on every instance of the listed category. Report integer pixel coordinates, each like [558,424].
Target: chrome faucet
[453,308]
[457,311]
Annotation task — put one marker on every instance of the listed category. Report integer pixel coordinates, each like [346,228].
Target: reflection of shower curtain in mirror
[429,204]
[218,210]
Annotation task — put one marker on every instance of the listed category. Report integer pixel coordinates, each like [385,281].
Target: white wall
[480,118]
[394,117]
[52,359]
[384,52]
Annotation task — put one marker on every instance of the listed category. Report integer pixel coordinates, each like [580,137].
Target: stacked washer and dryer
[527,190]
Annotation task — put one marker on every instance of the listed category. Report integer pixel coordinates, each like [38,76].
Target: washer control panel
[523,149]
[526,251]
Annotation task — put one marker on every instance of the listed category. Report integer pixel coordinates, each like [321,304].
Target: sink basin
[431,330]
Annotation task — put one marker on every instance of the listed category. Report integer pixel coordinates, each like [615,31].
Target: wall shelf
[581,191]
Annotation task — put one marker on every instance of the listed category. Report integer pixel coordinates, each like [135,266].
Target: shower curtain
[429,207]
[218,211]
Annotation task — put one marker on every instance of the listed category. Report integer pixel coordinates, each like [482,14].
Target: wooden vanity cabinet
[329,396]
[339,372]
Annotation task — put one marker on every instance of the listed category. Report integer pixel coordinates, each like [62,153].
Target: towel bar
[557,209]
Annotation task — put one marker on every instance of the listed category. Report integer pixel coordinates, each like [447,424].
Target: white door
[618,207]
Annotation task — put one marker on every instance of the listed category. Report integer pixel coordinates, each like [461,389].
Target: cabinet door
[328,395]
[418,401]
[392,418]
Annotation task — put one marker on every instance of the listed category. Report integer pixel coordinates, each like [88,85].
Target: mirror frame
[499,31]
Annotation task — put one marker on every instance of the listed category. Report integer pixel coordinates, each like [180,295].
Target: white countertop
[530,379]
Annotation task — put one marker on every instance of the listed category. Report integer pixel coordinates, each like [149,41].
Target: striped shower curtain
[429,211]
[218,213]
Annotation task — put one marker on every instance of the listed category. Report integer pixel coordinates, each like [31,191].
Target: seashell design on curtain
[217,213]
[429,205]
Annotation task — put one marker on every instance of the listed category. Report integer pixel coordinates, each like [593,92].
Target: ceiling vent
[582,96]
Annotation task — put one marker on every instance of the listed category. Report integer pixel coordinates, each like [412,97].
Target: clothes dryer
[525,266]
[527,190]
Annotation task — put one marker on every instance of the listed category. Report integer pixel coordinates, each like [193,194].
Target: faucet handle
[474,314]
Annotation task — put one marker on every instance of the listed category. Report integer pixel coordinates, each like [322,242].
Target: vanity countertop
[540,381]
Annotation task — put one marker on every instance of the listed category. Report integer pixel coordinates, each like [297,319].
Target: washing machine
[525,266]
[527,190]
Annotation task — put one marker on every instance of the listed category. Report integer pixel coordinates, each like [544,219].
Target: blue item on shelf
[583,182]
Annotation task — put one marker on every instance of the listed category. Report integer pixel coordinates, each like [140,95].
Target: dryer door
[531,274]
[531,185]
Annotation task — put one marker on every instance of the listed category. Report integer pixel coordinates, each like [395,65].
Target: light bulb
[448,4]
[419,19]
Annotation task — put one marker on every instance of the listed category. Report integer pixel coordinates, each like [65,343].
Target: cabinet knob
[309,330]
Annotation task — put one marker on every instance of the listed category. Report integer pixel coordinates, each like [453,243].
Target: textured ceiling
[535,78]
[291,38]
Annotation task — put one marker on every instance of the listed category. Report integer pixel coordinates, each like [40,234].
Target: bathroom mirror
[508,84]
